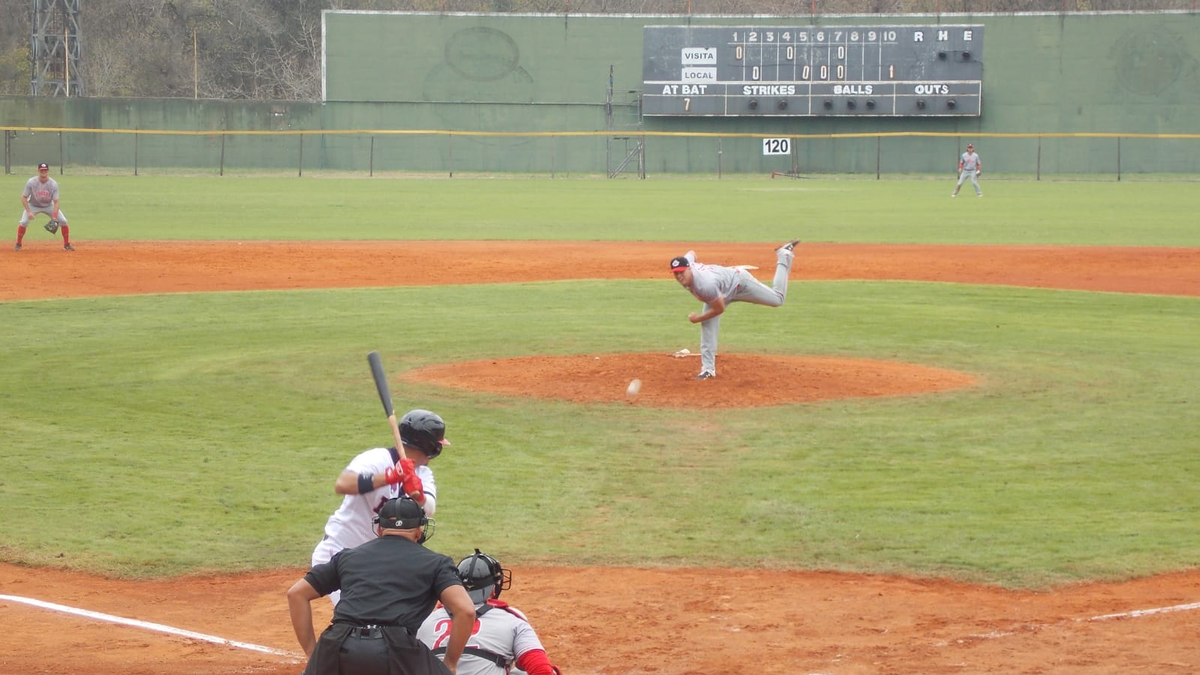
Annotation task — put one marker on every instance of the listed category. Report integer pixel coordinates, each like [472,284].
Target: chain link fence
[1029,156]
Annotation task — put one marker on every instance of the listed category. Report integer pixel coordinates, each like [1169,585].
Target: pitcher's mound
[743,380]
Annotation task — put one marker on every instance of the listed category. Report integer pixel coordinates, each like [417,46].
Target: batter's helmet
[424,431]
[483,577]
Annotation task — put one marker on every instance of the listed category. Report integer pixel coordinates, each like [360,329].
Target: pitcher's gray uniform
[717,286]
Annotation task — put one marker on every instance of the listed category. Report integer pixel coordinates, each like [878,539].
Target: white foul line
[1103,617]
[149,626]
[1147,612]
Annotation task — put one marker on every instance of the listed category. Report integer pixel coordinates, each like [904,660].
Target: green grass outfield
[165,434]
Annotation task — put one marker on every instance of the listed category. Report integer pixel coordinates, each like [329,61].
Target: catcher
[503,641]
[41,196]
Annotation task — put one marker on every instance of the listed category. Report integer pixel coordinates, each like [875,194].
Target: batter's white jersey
[353,522]
[501,630]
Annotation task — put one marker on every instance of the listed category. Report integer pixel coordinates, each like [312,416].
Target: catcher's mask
[483,577]
[424,431]
[402,513]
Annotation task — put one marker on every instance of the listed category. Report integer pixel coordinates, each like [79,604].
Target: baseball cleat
[790,245]
[17,247]
[705,375]
[68,247]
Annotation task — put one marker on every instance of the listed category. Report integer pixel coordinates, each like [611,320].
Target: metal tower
[55,49]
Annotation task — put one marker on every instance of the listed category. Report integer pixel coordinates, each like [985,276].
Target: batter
[377,475]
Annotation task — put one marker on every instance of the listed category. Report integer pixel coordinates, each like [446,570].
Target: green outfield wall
[1063,94]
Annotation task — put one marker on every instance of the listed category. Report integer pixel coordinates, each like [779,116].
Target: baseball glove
[52,226]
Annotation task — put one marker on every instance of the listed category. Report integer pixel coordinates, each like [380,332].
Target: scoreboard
[758,71]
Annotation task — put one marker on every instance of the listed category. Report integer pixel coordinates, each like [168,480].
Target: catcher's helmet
[483,577]
[424,431]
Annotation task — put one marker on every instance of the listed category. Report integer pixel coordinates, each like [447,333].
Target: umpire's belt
[373,631]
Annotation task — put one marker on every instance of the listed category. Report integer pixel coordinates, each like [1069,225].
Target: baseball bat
[385,397]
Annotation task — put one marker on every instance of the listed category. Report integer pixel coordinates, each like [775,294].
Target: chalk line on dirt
[150,626]
[1146,612]
[293,655]
[1133,614]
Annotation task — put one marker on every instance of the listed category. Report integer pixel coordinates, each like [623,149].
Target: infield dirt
[616,621]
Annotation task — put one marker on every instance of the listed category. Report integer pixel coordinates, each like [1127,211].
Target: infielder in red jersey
[502,637]
[41,196]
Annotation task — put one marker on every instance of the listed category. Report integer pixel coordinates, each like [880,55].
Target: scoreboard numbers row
[731,71]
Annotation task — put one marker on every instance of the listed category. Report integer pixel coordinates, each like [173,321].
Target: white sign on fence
[777,146]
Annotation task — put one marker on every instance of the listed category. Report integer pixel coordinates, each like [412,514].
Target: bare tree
[15,67]
[271,49]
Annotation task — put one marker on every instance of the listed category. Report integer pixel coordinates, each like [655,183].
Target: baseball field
[967,443]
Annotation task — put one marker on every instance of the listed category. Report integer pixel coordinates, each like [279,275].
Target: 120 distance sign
[737,71]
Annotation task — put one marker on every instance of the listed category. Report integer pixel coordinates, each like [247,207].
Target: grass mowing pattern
[172,433]
[664,209]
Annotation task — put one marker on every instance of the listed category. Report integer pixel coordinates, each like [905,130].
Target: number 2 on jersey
[442,630]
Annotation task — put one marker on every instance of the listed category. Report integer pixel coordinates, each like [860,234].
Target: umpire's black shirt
[389,581]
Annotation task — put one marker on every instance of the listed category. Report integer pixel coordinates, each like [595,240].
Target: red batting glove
[411,483]
[393,476]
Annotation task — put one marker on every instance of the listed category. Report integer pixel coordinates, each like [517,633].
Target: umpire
[389,585]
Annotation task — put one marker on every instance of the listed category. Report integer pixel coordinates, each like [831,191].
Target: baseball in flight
[635,385]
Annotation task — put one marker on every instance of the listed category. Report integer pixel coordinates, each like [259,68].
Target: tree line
[271,49]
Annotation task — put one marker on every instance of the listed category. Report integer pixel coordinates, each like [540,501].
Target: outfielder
[969,165]
[377,475]
[502,635]
[41,196]
[717,286]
